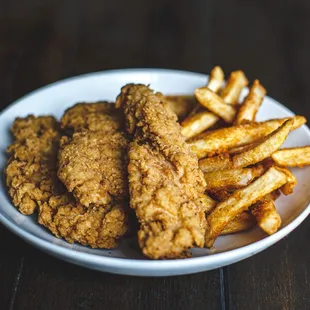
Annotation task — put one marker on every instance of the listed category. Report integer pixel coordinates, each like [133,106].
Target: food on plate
[97,227]
[267,217]
[220,140]
[198,123]
[33,184]
[242,199]
[164,177]
[255,154]
[235,84]
[93,160]
[251,104]
[241,222]
[292,157]
[31,168]
[181,105]
[215,104]
[192,167]
[232,178]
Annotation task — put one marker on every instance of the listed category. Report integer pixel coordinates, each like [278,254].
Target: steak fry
[164,177]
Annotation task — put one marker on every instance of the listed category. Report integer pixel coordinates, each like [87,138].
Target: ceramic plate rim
[225,258]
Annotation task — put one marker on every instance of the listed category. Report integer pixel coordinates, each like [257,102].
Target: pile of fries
[244,167]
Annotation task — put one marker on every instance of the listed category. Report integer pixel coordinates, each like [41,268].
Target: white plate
[55,98]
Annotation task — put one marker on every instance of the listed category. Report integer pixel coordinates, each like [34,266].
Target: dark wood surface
[42,41]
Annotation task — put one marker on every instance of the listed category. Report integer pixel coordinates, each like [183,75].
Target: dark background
[42,41]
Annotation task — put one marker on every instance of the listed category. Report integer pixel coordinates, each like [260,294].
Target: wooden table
[47,40]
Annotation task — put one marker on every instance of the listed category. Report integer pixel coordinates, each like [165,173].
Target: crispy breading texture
[93,161]
[96,227]
[92,116]
[31,171]
[164,177]
[93,166]
[220,140]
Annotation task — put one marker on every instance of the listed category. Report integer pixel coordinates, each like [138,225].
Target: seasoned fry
[232,179]
[259,152]
[242,199]
[198,123]
[243,221]
[267,217]
[216,79]
[219,162]
[206,203]
[292,157]
[181,105]
[220,195]
[215,104]
[221,140]
[251,104]
[236,82]
[215,82]
[264,149]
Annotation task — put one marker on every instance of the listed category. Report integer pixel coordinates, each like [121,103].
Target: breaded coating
[93,161]
[31,170]
[32,181]
[93,165]
[92,116]
[164,177]
[96,227]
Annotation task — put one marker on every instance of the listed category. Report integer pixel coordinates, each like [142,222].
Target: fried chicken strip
[31,169]
[32,180]
[164,177]
[93,161]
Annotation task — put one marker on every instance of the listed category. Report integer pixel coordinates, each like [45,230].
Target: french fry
[292,157]
[259,152]
[206,202]
[219,195]
[242,199]
[215,82]
[267,217]
[181,105]
[243,221]
[221,140]
[251,104]
[232,179]
[198,123]
[219,162]
[215,104]
[236,82]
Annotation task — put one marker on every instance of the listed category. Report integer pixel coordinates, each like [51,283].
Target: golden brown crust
[164,177]
[31,169]
[97,227]
[93,161]
[92,116]
[32,181]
